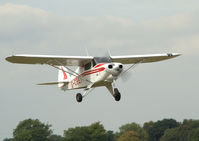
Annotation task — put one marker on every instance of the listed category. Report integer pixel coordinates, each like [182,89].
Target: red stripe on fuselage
[93,71]
[98,65]
[76,81]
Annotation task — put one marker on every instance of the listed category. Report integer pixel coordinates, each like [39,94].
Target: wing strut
[133,66]
[87,90]
[70,70]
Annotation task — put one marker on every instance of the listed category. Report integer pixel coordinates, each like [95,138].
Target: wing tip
[9,59]
[177,54]
[173,54]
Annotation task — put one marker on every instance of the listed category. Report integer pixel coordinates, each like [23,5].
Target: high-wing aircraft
[91,71]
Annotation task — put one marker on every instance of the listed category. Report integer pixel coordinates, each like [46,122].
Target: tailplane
[53,83]
[63,78]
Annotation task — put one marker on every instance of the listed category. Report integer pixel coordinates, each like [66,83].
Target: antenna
[86,51]
[109,53]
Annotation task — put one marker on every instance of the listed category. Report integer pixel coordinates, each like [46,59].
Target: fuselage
[98,74]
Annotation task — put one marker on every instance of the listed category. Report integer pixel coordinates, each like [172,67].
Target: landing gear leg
[79,96]
[114,91]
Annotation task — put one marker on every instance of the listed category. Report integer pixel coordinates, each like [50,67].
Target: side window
[94,63]
[87,66]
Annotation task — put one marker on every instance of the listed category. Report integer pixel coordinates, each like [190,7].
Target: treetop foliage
[136,128]
[157,129]
[187,131]
[32,130]
[129,136]
[94,132]
[161,130]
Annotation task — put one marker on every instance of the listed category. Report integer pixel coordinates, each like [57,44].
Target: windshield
[98,60]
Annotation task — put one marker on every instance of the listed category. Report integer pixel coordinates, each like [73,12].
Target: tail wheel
[117,94]
[79,97]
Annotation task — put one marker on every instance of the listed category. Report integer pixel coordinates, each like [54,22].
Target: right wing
[147,58]
[50,60]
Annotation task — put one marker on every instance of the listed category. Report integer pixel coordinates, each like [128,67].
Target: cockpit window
[102,60]
[94,63]
[87,66]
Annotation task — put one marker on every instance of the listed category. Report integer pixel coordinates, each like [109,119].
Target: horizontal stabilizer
[53,83]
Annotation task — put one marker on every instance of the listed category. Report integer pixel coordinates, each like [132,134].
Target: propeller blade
[125,76]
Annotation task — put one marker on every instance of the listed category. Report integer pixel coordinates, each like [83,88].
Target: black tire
[117,95]
[116,90]
[79,97]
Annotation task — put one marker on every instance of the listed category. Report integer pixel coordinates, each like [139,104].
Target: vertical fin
[63,76]
[64,73]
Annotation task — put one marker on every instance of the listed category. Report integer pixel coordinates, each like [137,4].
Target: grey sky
[166,89]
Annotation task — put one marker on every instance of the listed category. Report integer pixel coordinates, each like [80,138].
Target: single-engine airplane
[91,71]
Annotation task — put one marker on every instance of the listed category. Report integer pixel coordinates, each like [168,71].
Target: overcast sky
[167,89]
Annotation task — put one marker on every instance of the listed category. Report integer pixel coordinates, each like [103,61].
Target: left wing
[148,58]
[50,59]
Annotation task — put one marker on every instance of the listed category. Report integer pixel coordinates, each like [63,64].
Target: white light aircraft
[91,71]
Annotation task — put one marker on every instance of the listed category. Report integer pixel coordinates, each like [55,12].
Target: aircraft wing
[148,58]
[50,59]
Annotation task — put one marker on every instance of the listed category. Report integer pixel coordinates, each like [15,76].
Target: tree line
[161,130]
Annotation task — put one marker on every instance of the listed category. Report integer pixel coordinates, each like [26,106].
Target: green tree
[55,138]
[148,125]
[143,136]
[32,130]
[117,136]
[194,135]
[110,136]
[129,136]
[191,123]
[10,139]
[187,131]
[175,134]
[157,130]
[94,132]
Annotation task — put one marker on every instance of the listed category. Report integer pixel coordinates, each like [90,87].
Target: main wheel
[117,94]
[79,97]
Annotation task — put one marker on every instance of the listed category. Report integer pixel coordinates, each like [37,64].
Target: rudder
[63,76]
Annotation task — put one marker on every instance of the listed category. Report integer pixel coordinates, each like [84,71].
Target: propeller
[126,73]
[125,76]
